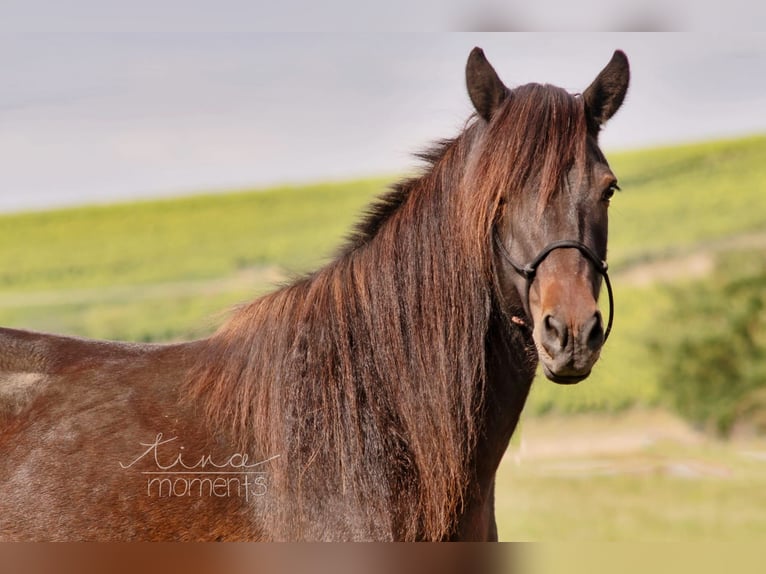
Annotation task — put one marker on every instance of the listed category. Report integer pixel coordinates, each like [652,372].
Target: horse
[371,399]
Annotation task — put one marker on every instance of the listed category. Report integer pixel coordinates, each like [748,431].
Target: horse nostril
[595,331]
[555,334]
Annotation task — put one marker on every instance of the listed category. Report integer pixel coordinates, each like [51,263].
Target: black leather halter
[529,270]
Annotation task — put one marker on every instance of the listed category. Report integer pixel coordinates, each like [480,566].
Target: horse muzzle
[569,351]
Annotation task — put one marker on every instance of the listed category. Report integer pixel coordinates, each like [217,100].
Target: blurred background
[157,171]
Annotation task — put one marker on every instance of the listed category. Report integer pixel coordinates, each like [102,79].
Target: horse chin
[564,379]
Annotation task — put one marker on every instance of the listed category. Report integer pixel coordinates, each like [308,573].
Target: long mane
[368,376]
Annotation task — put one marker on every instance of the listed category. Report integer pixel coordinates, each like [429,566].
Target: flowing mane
[367,376]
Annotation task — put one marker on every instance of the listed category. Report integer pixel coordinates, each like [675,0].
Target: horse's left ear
[605,95]
[485,87]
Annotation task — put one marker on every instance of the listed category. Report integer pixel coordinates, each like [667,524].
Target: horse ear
[605,95]
[485,88]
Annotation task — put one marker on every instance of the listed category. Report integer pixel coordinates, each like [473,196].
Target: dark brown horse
[370,400]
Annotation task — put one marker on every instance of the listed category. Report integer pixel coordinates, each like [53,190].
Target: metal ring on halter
[529,270]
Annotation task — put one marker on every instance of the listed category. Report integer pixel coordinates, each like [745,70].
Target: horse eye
[609,192]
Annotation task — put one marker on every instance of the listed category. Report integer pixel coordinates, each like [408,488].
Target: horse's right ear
[485,88]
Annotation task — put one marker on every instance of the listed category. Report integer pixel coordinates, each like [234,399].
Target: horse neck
[376,360]
[511,364]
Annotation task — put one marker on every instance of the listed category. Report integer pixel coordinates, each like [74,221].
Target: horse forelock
[535,139]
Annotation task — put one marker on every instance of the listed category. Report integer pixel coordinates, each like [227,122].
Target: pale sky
[122,114]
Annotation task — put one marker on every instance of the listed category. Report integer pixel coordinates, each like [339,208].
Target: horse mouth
[564,379]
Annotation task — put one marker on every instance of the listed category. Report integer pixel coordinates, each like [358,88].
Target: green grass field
[169,270]
[205,236]
[650,504]
[641,476]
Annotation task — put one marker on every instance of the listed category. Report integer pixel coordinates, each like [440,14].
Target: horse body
[370,400]
[72,410]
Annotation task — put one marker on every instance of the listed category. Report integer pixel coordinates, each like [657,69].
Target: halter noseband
[529,270]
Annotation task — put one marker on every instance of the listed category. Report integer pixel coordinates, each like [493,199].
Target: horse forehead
[599,175]
[595,172]
[596,158]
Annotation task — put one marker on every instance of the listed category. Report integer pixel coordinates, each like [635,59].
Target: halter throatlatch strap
[529,271]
